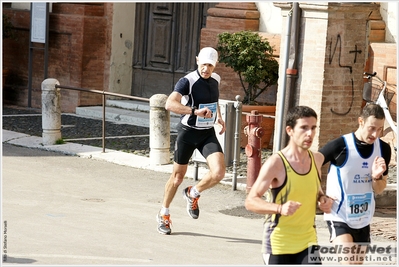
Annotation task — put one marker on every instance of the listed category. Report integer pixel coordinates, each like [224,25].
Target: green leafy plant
[251,57]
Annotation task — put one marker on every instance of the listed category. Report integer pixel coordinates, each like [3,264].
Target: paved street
[96,209]
[60,209]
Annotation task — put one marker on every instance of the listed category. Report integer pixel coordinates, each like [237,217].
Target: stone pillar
[51,112]
[377,26]
[159,130]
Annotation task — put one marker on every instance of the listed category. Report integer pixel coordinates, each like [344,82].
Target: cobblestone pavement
[134,139]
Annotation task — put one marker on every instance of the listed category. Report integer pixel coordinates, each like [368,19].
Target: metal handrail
[263,115]
[103,93]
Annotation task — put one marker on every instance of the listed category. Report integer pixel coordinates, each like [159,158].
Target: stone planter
[267,124]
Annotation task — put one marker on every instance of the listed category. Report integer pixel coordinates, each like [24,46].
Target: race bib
[359,207]
[206,122]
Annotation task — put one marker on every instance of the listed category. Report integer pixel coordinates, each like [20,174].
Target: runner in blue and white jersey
[358,170]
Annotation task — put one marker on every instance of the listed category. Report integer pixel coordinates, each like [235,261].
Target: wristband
[279,209]
[192,110]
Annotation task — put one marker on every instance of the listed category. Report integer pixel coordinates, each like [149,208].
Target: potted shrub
[251,57]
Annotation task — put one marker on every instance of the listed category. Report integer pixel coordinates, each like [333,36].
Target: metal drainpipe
[283,85]
[292,68]
[292,71]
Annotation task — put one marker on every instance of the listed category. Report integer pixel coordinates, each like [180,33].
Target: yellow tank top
[293,234]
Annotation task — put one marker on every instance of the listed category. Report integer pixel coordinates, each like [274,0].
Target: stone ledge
[237,5]
[234,13]
[387,197]
[222,23]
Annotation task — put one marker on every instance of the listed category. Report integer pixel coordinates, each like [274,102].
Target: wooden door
[167,39]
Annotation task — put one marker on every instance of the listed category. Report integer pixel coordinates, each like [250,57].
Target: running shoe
[192,203]
[164,223]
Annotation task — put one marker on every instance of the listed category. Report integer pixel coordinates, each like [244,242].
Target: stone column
[159,130]
[51,112]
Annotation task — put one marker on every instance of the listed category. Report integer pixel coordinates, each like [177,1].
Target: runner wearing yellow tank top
[296,227]
[291,178]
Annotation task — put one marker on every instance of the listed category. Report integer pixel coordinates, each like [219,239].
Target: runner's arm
[270,170]
[220,120]
[334,151]
[324,202]
[380,183]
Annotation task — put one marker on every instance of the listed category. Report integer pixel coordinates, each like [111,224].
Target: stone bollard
[51,112]
[159,130]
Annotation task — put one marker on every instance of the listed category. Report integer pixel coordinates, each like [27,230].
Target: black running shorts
[361,235]
[189,139]
[302,257]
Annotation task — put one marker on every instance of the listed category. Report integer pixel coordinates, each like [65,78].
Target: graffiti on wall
[332,51]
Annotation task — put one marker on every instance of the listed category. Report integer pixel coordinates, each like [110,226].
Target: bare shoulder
[318,157]
[273,168]
[274,159]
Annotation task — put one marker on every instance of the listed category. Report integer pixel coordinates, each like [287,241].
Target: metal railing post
[238,107]
[104,94]
[103,133]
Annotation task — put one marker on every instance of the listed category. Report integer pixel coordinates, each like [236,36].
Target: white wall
[121,62]
[270,17]
[389,13]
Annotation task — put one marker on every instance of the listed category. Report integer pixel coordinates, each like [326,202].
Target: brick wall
[332,55]
[233,17]
[383,60]
[331,58]
[79,42]
[79,56]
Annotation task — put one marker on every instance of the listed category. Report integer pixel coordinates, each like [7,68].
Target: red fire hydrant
[253,149]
